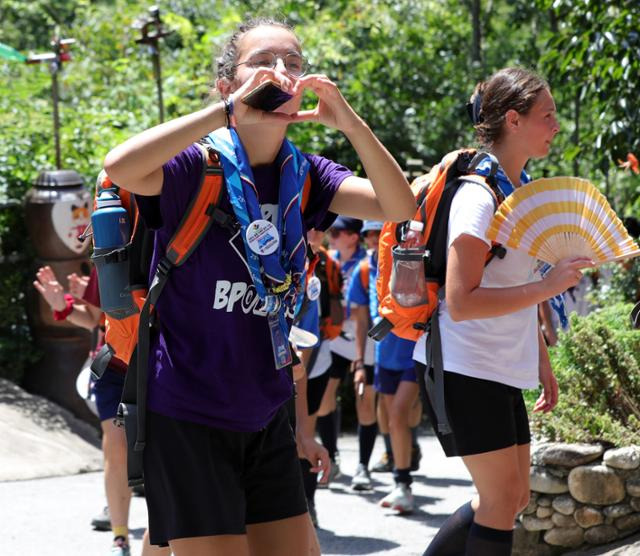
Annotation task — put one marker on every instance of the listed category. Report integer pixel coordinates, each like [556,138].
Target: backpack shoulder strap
[364,273]
[306,192]
[193,227]
[200,213]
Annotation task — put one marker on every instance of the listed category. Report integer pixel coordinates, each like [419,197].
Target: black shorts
[202,481]
[340,367]
[315,390]
[483,415]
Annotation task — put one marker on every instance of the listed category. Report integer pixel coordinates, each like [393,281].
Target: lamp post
[55,59]
[152,30]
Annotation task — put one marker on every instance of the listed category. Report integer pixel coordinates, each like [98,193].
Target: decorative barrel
[58,209]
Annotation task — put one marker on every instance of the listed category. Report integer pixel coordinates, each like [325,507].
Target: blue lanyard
[373,292]
[277,277]
[506,188]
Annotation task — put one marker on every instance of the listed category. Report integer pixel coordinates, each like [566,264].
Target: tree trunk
[476,46]
[576,130]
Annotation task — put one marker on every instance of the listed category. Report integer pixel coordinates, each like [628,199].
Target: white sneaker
[399,499]
[361,479]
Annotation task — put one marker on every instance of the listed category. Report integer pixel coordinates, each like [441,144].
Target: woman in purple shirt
[221,469]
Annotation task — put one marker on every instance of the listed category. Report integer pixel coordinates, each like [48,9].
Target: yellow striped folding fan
[555,218]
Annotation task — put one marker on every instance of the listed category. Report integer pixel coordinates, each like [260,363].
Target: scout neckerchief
[506,188]
[276,251]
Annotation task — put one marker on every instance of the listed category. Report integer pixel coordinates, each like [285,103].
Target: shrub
[597,364]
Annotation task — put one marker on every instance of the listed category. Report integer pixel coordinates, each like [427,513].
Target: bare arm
[386,194]
[85,316]
[361,317]
[467,300]
[307,446]
[138,161]
[546,323]
[549,396]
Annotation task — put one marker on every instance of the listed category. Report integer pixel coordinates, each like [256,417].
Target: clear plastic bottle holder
[112,265]
[408,283]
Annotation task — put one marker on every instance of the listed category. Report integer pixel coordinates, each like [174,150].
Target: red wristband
[62,315]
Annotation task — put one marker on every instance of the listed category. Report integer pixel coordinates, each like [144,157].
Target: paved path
[50,517]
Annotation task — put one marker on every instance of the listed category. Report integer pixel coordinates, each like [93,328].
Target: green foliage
[404,65]
[622,287]
[592,63]
[597,364]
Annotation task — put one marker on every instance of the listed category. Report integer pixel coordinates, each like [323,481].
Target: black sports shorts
[483,415]
[203,481]
[340,367]
[315,390]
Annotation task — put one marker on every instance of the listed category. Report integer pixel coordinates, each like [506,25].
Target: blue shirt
[392,353]
[310,319]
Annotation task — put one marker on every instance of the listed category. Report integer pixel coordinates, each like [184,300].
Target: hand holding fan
[556,218]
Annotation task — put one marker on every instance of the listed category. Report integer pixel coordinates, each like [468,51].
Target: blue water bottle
[111,233]
[110,222]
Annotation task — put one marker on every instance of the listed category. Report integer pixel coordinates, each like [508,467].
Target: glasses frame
[276,57]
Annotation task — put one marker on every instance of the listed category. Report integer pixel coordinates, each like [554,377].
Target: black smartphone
[267,96]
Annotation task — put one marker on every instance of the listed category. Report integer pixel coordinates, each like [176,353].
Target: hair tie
[473,109]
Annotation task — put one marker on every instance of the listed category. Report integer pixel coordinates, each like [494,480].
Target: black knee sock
[414,436]
[327,432]
[451,539]
[367,439]
[485,541]
[402,476]
[387,444]
[310,480]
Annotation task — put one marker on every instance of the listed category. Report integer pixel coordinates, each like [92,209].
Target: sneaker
[399,499]
[312,512]
[120,547]
[102,522]
[361,479]
[416,456]
[334,474]
[385,465]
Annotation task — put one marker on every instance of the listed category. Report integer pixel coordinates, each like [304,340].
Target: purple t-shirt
[212,361]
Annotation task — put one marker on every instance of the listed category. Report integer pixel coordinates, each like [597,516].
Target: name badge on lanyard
[280,344]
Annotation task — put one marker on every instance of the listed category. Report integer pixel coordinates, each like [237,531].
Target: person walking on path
[220,464]
[81,306]
[346,248]
[491,343]
[395,378]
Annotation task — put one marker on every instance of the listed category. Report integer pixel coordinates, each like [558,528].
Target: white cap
[416,225]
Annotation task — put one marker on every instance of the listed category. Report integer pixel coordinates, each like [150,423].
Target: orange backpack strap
[364,273]
[306,192]
[200,213]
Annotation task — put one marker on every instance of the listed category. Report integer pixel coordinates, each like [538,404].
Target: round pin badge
[262,237]
[313,288]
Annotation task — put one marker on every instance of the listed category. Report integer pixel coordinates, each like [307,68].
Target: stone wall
[581,495]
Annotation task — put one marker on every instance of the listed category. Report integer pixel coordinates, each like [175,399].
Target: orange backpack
[433,192]
[332,313]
